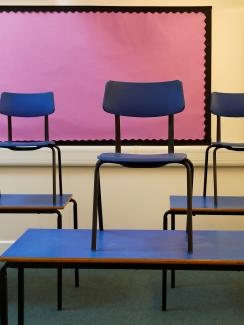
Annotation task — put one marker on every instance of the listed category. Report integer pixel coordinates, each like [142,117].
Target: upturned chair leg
[95,206]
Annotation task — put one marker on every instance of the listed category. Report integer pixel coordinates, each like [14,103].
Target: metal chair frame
[97,202]
[219,145]
[52,146]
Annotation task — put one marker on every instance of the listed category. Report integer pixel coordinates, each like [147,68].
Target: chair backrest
[152,99]
[143,99]
[226,105]
[27,105]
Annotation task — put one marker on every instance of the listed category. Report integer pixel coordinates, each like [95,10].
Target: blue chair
[142,100]
[31,105]
[222,105]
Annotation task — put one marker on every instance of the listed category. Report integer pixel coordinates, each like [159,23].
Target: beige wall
[131,198]
[143,194]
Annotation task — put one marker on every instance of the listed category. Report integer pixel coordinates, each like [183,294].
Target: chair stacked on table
[35,105]
[222,105]
[145,100]
[15,105]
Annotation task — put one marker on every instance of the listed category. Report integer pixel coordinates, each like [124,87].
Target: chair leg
[59,219]
[60,170]
[59,270]
[165,220]
[205,180]
[215,176]
[75,216]
[54,173]
[189,205]
[95,206]
[99,207]
[172,221]
[189,210]
[192,173]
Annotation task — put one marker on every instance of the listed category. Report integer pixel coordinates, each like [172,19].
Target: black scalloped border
[206,10]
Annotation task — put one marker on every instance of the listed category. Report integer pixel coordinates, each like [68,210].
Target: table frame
[41,209]
[20,266]
[55,209]
[173,211]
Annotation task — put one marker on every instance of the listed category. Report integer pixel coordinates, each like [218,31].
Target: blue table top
[127,246]
[225,203]
[33,201]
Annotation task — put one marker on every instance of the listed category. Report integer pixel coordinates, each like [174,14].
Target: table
[202,205]
[38,203]
[41,204]
[118,249]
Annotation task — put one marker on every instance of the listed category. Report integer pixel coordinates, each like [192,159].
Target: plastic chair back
[27,105]
[143,99]
[227,104]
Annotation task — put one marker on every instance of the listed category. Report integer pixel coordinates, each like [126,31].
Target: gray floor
[130,297]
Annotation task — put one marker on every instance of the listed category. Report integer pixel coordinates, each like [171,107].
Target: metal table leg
[20,296]
[164,290]
[3,296]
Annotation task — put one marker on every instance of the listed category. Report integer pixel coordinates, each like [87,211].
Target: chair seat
[125,158]
[18,144]
[229,144]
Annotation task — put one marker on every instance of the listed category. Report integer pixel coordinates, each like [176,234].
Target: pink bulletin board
[73,51]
